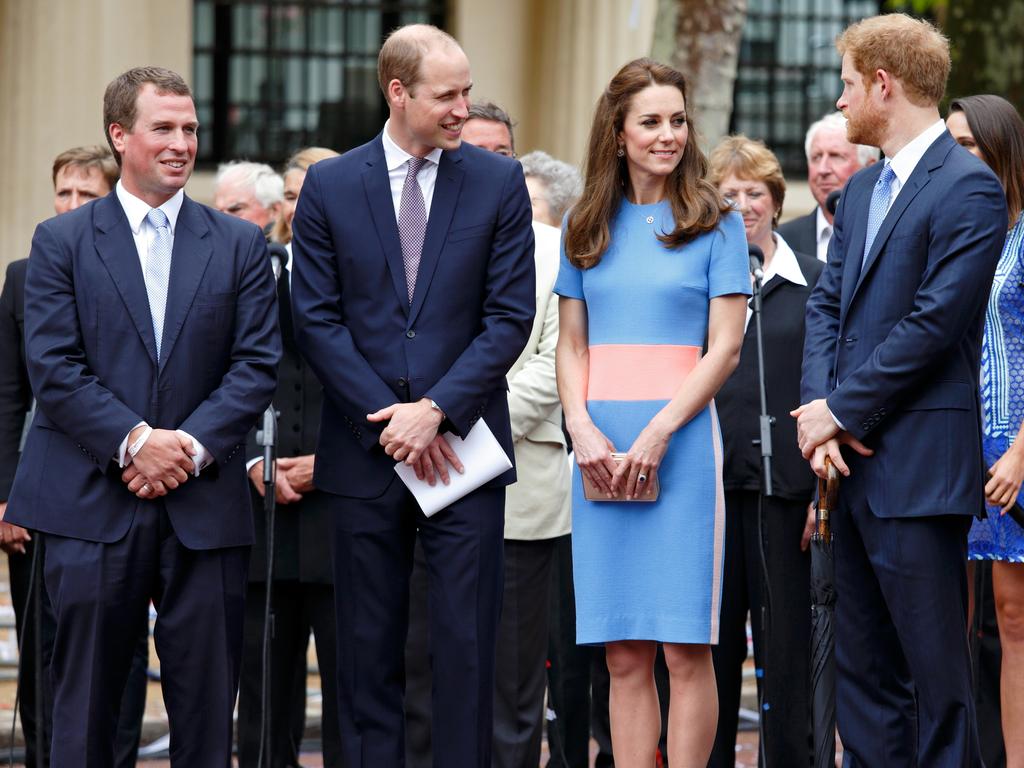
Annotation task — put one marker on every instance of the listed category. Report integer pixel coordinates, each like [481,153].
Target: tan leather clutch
[591,493]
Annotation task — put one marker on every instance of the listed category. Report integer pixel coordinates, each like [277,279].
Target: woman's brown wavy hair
[697,206]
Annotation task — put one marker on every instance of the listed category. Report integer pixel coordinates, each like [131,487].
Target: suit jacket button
[410,334]
[402,382]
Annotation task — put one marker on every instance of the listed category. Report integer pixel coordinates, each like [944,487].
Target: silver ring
[145,486]
[641,478]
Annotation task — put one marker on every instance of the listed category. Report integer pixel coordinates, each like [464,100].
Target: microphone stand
[765,422]
[267,437]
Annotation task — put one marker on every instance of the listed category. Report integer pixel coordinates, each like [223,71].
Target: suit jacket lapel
[382,210]
[442,206]
[933,158]
[189,257]
[115,245]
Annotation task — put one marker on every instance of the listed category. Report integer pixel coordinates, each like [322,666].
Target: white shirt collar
[820,225]
[905,161]
[137,209]
[395,156]
[784,264]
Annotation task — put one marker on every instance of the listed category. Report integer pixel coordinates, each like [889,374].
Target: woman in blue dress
[653,263]
[990,128]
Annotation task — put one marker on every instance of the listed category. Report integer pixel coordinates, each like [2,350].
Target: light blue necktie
[158,272]
[879,207]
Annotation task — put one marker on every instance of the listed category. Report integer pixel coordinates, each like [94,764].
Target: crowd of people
[392,301]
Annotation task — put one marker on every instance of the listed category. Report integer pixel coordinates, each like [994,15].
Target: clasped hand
[161,465]
[411,436]
[293,477]
[819,436]
[642,461]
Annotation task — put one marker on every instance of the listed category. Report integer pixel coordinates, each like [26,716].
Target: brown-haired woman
[652,262]
[990,128]
[765,536]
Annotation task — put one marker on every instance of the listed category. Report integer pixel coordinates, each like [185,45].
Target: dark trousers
[101,594]
[987,656]
[578,681]
[904,694]
[521,655]
[373,550]
[783,651]
[298,609]
[133,701]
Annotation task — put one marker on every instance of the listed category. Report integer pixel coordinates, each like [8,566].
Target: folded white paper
[482,460]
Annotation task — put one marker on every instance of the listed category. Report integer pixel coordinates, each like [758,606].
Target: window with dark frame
[271,77]
[788,73]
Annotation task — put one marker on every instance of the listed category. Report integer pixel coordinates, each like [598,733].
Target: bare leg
[1008,584]
[693,707]
[633,702]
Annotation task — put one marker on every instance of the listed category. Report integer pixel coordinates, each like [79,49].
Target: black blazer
[302,531]
[738,401]
[801,234]
[15,390]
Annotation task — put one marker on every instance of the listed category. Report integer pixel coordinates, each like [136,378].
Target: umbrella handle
[828,494]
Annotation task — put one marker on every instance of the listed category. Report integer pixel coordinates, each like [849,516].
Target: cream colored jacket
[537,505]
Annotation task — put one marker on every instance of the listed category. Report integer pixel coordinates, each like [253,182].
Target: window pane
[274,75]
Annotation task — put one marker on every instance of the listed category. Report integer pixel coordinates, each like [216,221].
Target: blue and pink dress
[652,571]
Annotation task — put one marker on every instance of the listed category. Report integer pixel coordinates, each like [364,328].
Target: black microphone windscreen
[756,254]
[832,201]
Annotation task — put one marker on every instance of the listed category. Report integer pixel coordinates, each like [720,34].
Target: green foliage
[986,40]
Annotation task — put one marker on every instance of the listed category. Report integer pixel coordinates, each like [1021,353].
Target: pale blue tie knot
[879,206]
[158,272]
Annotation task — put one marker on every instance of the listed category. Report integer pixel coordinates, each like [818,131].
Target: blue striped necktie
[879,207]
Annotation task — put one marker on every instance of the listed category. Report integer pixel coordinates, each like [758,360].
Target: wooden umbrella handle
[828,493]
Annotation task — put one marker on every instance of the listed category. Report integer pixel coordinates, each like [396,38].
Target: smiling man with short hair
[413,294]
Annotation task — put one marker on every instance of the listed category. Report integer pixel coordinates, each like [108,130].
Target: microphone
[832,201]
[278,258]
[756,261]
[267,437]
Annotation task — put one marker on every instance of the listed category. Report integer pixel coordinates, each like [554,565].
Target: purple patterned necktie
[412,223]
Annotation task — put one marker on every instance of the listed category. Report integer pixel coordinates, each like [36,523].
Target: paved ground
[153,754]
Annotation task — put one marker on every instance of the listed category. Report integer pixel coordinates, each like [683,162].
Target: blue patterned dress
[652,571]
[998,537]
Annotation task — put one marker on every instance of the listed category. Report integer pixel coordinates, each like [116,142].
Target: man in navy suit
[413,294]
[152,342]
[890,369]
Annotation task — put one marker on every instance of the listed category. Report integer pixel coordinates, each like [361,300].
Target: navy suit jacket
[895,346]
[470,316]
[92,363]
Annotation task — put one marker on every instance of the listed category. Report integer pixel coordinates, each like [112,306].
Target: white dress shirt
[905,161]
[784,265]
[397,160]
[144,233]
[822,233]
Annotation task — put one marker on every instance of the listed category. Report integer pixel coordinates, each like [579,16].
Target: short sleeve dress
[999,537]
[652,571]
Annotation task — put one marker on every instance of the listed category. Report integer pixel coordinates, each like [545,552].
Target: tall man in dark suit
[80,175]
[151,338]
[413,294]
[890,369]
[831,160]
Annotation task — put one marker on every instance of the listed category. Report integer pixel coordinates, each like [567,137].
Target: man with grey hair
[250,191]
[831,160]
[554,186]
